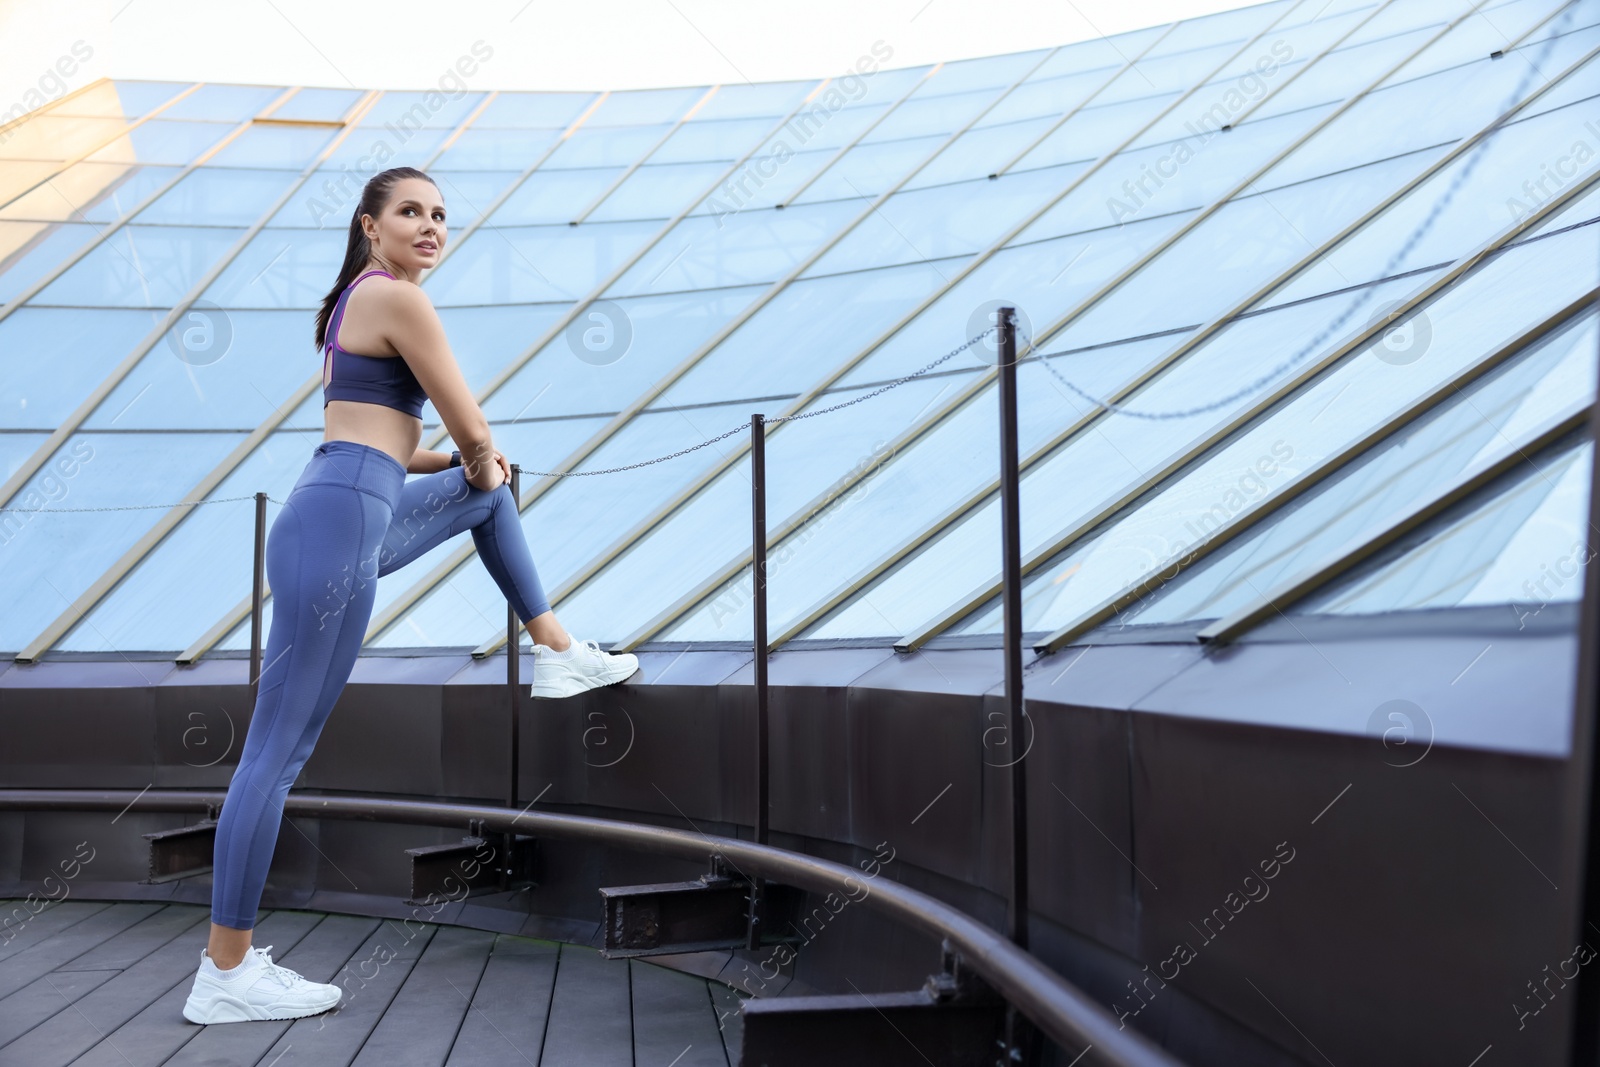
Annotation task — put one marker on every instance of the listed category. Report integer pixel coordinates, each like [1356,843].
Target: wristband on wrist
[455,459]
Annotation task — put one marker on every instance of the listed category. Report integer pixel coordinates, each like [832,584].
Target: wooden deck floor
[98,984]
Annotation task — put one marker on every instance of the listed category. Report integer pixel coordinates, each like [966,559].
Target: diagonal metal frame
[965,396]
[103,584]
[111,229]
[959,609]
[1356,551]
[642,160]
[442,571]
[1245,520]
[31,465]
[662,513]
[154,112]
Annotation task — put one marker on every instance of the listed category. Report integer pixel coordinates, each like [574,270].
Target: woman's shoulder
[384,294]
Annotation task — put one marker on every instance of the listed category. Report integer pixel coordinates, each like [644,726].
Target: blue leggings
[350,519]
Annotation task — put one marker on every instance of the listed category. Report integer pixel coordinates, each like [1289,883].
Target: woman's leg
[436,507]
[322,558]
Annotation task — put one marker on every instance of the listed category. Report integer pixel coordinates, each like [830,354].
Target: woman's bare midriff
[380,427]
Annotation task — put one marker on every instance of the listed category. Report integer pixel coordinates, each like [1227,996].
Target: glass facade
[1203,225]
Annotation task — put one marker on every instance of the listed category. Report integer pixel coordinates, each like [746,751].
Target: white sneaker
[260,990]
[586,667]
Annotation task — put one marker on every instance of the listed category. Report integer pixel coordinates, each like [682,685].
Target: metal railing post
[257,585]
[513,668]
[1011,570]
[758,563]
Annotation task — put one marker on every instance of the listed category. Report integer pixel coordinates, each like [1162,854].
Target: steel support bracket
[954,1020]
[711,912]
[183,852]
[480,863]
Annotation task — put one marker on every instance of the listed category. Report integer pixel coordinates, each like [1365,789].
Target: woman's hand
[493,473]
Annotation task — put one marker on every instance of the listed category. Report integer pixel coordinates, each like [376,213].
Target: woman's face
[410,233]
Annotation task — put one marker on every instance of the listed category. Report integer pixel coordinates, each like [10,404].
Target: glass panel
[120,98]
[141,266]
[699,141]
[166,602]
[318,105]
[554,195]
[52,558]
[218,197]
[214,370]
[18,176]
[485,340]
[894,505]
[735,248]
[1521,286]
[15,448]
[30,250]
[160,141]
[224,103]
[50,137]
[633,343]
[1537,385]
[530,264]
[809,328]
[551,111]
[369,149]
[92,192]
[869,169]
[1093,465]
[766,100]
[281,268]
[1521,547]
[645,107]
[599,146]
[659,191]
[51,358]
[467,194]
[287,147]
[403,113]
[496,149]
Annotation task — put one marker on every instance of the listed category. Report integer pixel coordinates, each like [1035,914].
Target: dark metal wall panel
[1465,687]
[208,672]
[380,739]
[951,671]
[836,668]
[688,668]
[90,738]
[199,734]
[1414,898]
[1105,676]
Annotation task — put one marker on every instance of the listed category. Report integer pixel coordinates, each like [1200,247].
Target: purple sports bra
[385,380]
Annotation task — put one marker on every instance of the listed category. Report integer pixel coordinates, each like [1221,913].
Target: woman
[351,518]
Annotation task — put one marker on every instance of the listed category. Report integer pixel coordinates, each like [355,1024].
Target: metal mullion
[1170,467]
[114,574]
[461,128]
[135,124]
[1081,425]
[31,465]
[43,282]
[846,148]
[1336,563]
[1064,119]
[816,390]
[652,150]
[231,618]
[716,339]
[53,104]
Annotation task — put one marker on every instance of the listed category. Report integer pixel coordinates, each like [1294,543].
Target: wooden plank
[509,1011]
[96,1017]
[673,1019]
[50,919]
[44,997]
[591,1021]
[727,1003]
[65,950]
[370,981]
[421,1024]
[325,950]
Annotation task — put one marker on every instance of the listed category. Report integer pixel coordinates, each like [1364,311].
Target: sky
[533,44]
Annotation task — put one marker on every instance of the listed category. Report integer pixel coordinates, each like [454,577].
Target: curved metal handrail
[1058,1008]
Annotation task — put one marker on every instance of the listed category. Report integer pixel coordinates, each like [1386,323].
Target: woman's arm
[414,329]
[427,461]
